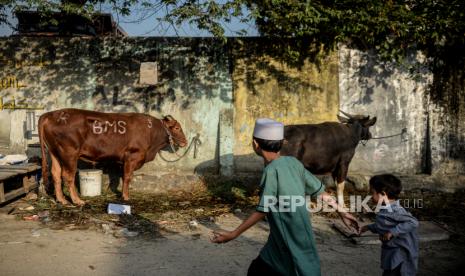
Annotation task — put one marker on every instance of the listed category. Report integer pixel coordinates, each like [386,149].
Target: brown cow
[129,138]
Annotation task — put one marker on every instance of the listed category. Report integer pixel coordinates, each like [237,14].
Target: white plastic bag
[13,159]
[118,209]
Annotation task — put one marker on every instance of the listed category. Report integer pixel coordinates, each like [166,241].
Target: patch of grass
[151,213]
[233,191]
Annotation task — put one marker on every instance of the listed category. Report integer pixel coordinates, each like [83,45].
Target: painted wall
[194,85]
[265,87]
[217,91]
[433,148]
[370,88]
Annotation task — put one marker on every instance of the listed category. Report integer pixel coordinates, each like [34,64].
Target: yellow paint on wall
[264,87]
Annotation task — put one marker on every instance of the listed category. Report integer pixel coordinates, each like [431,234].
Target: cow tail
[42,148]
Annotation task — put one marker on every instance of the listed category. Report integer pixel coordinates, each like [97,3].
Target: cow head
[359,121]
[175,129]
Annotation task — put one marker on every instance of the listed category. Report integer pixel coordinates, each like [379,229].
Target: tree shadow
[255,61]
[442,101]
[104,73]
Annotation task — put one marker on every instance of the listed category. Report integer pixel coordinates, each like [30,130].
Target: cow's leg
[340,177]
[56,175]
[340,193]
[130,165]
[128,173]
[69,175]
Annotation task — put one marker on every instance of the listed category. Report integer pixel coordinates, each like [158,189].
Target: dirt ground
[180,248]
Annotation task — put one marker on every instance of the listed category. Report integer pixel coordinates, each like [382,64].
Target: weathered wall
[265,87]
[398,101]
[217,91]
[194,85]
[434,144]
[447,112]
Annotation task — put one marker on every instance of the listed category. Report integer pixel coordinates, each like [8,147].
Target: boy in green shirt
[290,249]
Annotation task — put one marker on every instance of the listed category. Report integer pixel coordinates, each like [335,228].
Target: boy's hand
[386,237]
[222,236]
[350,221]
[363,229]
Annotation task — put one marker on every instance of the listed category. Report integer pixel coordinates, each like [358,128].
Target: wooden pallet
[28,173]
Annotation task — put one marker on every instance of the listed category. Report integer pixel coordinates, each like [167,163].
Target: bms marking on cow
[77,140]
[118,127]
[63,117]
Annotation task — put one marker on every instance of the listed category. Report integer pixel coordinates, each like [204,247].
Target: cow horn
[346,114]
[169,117]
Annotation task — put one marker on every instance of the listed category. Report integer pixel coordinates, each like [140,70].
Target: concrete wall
[194,86]
[371,88]
[432,153]
[217,91]
[265,87]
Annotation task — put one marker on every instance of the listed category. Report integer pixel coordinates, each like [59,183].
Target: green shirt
[290,248]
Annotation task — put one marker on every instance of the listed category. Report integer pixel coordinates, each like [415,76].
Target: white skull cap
[268,129]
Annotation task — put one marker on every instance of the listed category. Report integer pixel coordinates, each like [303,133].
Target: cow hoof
[79,202]
[63,201]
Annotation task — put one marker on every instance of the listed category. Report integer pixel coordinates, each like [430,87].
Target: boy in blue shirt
[397,228]
[290,249]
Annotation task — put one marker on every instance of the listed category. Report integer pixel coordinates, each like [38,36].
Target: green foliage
[206,15]
[302,29]
[393,28]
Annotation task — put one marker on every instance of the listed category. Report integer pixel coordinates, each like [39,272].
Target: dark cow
[328,147]
[129,138]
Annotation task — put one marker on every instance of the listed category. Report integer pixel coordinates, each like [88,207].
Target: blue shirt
[403,247]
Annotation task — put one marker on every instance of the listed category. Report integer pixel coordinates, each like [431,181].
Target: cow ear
[170,122]
[370,122]
[342,119]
